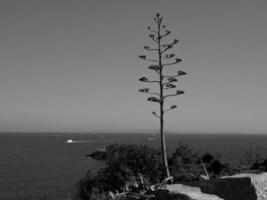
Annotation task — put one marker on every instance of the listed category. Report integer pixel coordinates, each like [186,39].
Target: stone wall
[259,181]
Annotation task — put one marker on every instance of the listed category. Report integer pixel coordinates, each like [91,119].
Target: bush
[184,164]
[166,195]
[260,165]
[215,167]
[124,164]
[112,178]
[140,160]
[85,187]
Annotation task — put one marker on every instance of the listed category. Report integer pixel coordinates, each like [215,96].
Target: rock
[259,181]
[227,188]
[193,193]
[98,155]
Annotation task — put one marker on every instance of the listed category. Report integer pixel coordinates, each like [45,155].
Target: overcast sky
[73,65]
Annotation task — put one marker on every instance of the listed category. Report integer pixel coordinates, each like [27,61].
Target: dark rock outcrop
[259,182]
[98,155]
[228,188]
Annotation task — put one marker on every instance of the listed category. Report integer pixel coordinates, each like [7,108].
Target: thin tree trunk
[162,134]
[163,144]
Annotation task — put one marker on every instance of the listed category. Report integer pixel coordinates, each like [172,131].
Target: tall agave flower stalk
[165,81]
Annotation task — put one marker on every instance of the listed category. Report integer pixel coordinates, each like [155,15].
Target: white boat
[69,141]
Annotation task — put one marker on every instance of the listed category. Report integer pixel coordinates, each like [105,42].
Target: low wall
[259,181]
[228,188]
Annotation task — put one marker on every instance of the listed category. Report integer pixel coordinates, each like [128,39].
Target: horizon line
[129,132]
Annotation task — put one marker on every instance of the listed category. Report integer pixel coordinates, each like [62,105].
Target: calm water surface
[43,166]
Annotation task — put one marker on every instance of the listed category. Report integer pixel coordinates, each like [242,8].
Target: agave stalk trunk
[162,133]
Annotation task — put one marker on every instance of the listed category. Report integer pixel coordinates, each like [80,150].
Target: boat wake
[78,141]
[108,140]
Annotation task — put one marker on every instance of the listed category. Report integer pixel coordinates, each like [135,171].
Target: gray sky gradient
[73,65]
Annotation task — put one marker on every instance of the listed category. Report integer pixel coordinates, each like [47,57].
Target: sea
[43,166]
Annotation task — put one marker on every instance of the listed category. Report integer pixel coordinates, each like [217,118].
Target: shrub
[85,187]
[112,178]
[260,165]
[184,164]
[166,195]
[215,167]
[124,163]
[140,160]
